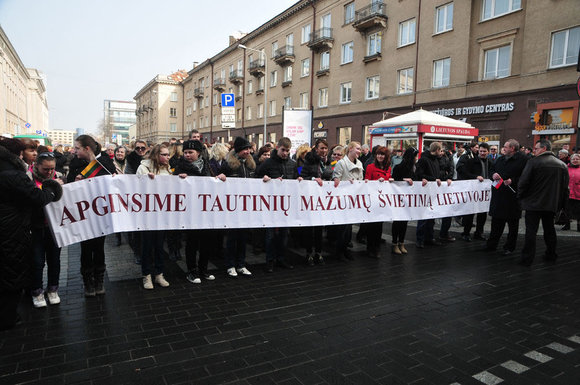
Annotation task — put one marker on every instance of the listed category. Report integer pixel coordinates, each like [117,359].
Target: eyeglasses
[45,155]
[336,154]
[140,148]
[163,154]
[493,149]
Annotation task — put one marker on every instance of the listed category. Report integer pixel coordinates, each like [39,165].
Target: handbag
[562,217]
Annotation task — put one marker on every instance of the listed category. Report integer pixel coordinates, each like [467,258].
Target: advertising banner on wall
[109,204]
[297,125]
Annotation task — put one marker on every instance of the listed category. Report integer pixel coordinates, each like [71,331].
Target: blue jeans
[276,241]
[425,230]
[235,255]
[152,241]
[44,250]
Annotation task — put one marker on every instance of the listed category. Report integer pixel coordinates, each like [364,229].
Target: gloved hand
[53,187]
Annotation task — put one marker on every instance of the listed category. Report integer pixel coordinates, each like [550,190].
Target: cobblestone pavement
[442,315]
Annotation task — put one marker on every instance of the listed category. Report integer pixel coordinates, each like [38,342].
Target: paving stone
[515,367]
[560,348]
[487,378]
[534,355]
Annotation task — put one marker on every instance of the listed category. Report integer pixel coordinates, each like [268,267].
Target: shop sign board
[393,130]
[560,122]
[425,128]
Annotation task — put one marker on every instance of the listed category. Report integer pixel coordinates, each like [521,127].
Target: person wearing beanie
[19,196]
[238,164]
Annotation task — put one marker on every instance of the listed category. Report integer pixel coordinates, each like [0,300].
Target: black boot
[89,282]
[100,283]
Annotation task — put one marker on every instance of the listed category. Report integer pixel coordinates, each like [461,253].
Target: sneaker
[208,277]
[39,301]
[160,280]
[309,260]
[466,238]
[232,272]
[244,271]
[192,278]
[53,298]
[448,238]
[147,284]
[318,258]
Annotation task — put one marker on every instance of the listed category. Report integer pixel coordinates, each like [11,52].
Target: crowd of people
[534,180]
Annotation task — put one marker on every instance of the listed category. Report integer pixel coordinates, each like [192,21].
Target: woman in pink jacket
[574,199]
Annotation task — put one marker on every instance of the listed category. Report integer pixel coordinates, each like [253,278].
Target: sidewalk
[444,315]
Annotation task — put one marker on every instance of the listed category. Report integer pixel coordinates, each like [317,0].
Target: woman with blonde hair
[301,152]
[217,155]
[152,241]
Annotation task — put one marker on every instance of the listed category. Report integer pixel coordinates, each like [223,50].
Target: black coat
[18,198]
[185,167]
[78,165]
[472,168]
[276,167]
[446,166]
[504,203]
[234,167]
[543,185]
[314,167]
[133,161]
[428,167]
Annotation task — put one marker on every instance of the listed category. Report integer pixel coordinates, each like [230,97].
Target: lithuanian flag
[92,169]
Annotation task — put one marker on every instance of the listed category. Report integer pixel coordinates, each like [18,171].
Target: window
[373,85]
[323,97]
[260,110]
[214,120]
[347,52]
[272,108]
[248,113]
[290,39]
[223,74]
[349,13]
[240,67]
[200,121]
[305,68]
[346,92]
[206,101]
[565,45]
[325,60]
[250,84]
[195,105]
[261,83]
[441,71]
[274,48]
[174,96]
[405,83]
[215,99]
[497,62]
[374,44]
[444,18]
[287,102]
[239,115]
[406,32]
[239,92]
[288,74]
[273,78]
[306,33]
[173,127]
[494,8]
[304,100]
[173,112]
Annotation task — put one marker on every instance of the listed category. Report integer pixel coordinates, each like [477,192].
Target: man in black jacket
[133,160]
[542,191]
[447,171]
[504,207]
[278,166]
[313,169]
[475,168]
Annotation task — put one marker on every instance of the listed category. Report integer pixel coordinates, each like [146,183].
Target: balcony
[371,16]
[198,92]
[284,55]
[257,68]
[259,91]
[286,83]
[219,84]
[236,77]
[321,39]
[373,57]
[323,72]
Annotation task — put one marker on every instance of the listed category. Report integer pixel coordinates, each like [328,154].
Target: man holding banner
[504,207]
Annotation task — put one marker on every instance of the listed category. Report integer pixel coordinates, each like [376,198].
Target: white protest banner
[296,125]
[103,205]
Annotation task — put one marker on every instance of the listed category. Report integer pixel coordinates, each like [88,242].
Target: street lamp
[262,55]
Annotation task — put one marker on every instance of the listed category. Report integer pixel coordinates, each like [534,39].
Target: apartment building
[160,108]
[64,137]
[508,67]
[119,115]
[23,103]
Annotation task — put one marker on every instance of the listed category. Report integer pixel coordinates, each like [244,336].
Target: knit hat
[241,144]
[15,146]
[193,145]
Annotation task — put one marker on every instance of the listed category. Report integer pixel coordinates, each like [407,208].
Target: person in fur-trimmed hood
[238,164]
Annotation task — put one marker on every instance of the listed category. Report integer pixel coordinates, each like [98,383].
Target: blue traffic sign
[27,125]
[228,100]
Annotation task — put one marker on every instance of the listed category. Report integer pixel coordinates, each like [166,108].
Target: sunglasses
[140,148]
[45,155]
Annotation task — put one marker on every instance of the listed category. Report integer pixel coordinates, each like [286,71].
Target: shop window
[344,135]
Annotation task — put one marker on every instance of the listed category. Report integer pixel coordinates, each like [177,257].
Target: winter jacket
[78,165]
[347,170]
[133,160]
[462,160]
[215,166]
[375,173]
[403,170]
[447,167]
[234,167]
[276,167]
[543,185]
[146,167]
[314,167]
[428,167]
[18,198]
[472,168]
[574,184]
[185,167]
[504,203]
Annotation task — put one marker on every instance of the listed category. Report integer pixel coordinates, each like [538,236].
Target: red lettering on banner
[68,215]
[95,208]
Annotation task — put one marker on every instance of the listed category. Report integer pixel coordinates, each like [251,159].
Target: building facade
[66,138]
[508,67]
[118,117]
[23,103]
[160,108]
